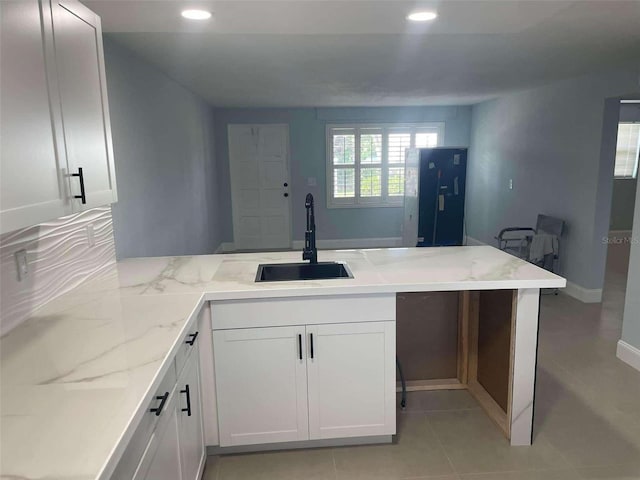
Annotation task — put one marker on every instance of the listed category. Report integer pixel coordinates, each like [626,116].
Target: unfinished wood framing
[485,341]
[491,343]
[463,337]
[427,334]
[438,384]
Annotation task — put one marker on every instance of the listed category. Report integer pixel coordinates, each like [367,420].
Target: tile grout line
[335,468]
[453,468]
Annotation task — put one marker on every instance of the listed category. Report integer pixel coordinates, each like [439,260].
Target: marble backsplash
[59,258]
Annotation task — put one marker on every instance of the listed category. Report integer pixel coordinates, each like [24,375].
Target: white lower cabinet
[305,382]
[261,385]
[190,426]
[351,380]
[169,442]
[161,460]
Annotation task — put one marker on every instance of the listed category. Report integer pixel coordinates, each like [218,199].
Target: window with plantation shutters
[365,163]
[627,150]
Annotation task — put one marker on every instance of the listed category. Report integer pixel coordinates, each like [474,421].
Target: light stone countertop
[75,375]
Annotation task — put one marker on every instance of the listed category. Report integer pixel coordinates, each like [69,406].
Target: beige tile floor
[587,418]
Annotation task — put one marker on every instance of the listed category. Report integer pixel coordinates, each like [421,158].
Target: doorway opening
[623,202]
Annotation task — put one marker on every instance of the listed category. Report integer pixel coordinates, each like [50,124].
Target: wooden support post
[463,337]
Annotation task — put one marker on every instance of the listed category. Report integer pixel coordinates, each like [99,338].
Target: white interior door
[261,385]
[351,379]
[260,186]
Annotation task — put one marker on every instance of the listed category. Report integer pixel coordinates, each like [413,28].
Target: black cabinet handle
[286,184]
[188,395]
[311,344]
[286,194]
[163,398]
[300,345]
[192,340]
[82,196]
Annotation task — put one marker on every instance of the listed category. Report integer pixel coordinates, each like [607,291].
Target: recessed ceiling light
[196,14]
[422,16]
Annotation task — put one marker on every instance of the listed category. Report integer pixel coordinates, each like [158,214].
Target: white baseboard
[343,243]
[628,354]
[585,295]
[474,242]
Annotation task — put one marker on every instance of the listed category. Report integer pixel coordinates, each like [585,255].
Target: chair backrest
[550,225]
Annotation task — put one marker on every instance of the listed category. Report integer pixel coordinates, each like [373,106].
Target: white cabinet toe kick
[315,371]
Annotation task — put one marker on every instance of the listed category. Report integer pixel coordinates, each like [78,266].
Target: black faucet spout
[310,251]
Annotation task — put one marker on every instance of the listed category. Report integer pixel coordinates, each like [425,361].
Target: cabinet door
[31,182]
[351,377]
[161,459]
[83,96]
[190,413]
[261,385]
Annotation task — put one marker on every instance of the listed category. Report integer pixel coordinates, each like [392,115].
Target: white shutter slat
[627,150]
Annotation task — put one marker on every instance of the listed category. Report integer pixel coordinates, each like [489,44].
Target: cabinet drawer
[302,310]
[135,448]
[187,345]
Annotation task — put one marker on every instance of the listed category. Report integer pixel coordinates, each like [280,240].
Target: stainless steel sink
[282,272]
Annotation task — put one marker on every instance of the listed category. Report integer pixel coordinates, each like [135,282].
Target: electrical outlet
[91,238]
[21,264]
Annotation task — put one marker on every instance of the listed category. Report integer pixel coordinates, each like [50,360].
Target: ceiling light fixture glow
[196,14]
[422,16]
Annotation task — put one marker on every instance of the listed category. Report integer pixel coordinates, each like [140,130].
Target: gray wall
[308,159]
[557,143]
[624,189]
[165,161]
[631,323]
[624,197]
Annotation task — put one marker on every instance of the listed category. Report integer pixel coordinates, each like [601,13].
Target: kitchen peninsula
[87,381]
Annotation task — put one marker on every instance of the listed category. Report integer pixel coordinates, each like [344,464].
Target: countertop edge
[117,452]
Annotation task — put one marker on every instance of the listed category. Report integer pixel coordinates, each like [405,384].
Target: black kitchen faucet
[310,251]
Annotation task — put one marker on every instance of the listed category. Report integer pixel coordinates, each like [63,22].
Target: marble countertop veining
[74,376]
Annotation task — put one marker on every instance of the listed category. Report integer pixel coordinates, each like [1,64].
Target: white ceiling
[363,52]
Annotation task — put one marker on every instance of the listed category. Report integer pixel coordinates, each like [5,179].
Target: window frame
[634,174]
[384,200]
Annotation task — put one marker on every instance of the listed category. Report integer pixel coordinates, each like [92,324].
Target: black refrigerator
[434,197]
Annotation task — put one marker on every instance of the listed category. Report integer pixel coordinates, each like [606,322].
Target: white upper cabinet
[54,115]
[31,177]
[79,61]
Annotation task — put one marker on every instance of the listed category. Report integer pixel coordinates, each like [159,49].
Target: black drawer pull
[188,397]
[163,399]
[82,196]
[300,346]
[192,340]
[311,338]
